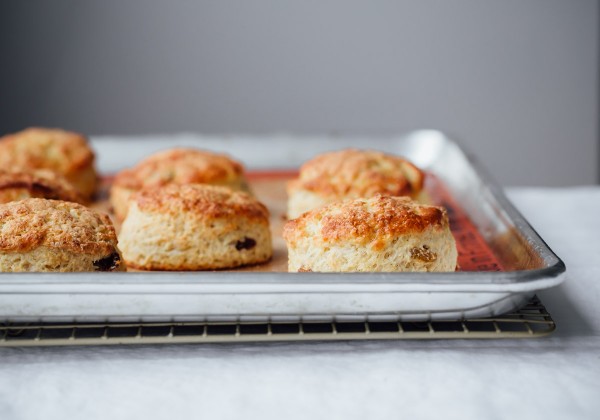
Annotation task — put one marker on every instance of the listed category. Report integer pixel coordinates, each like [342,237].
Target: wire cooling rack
[530,321]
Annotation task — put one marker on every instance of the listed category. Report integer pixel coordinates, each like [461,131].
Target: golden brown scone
[381,233]
[175,166]
[41,183]
[61,151]
[351,173]
[194,227]
[51,235]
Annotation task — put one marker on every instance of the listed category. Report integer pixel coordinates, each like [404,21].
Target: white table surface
[548,378]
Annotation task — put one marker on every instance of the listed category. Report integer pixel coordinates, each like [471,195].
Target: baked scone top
[39,183]
[180,166]
[50,148]
[365,220]
[34,222]
[359,173]
[205,201]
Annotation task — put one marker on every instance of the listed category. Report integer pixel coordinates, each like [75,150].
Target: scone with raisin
[41,183]
[194,227]
[175,166]
[64,152]
[381,233]
[351,173]
[51,235]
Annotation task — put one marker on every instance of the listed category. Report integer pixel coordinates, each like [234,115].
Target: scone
[51,235]
[40,183]
[60,151]
[175,166]
[351,173]
[381,233]
[194,227]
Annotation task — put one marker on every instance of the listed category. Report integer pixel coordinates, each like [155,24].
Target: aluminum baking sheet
[523,264]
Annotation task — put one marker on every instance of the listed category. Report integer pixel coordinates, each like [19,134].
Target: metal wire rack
[530,321]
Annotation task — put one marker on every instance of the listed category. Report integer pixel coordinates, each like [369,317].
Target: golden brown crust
[207,201]
[365,220]
[180,166]
[36,184]
[34,222]
[353,173]
[43,148]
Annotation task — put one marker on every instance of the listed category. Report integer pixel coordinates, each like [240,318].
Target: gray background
[516,80]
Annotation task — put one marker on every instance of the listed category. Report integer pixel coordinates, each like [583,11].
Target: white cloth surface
[547,378]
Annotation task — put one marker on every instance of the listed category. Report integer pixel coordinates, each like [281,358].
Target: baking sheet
[480,289]
[269,187]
